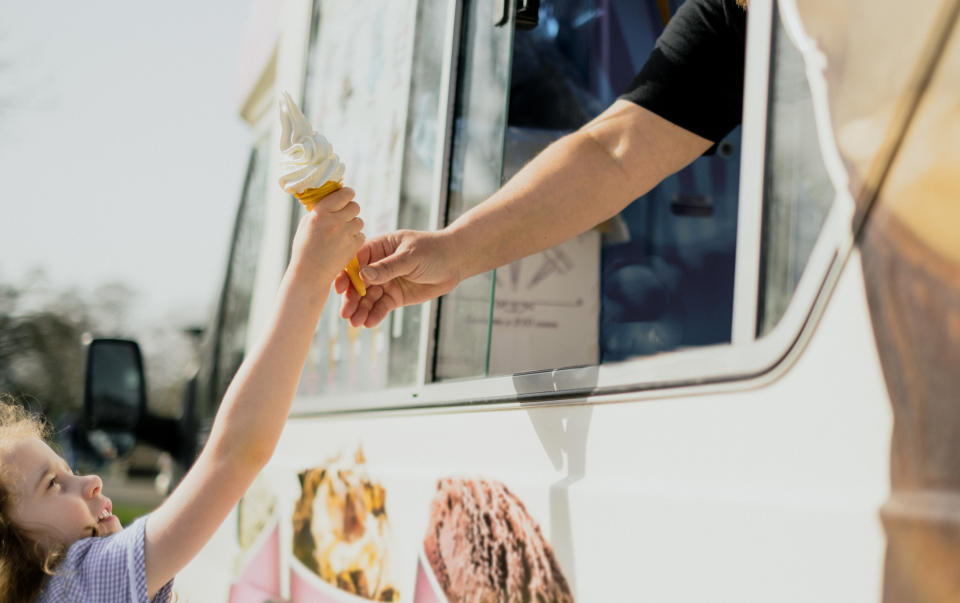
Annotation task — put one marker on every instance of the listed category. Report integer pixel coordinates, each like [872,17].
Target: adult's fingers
[367,302]
[341,283]
[351,303]
[354,310]
[357,311]
[379,311]
[392,266]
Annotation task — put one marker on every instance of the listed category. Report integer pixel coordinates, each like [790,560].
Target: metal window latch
[528,13]
[501,12]
[692,204]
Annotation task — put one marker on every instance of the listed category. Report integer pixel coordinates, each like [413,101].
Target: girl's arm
[254,408]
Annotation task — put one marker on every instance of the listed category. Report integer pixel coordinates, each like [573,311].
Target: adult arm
[576,183]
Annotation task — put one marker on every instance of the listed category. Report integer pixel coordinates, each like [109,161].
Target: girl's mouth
[105,513]
[107,523]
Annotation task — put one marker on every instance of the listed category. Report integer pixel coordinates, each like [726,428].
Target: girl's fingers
[355,226]
[348,212]
[337,200]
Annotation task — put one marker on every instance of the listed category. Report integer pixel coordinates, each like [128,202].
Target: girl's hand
[255,406]
[327,238]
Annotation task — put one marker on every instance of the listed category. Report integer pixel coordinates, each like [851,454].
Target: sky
[122,153]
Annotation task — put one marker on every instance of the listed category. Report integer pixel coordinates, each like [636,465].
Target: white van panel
[768,491]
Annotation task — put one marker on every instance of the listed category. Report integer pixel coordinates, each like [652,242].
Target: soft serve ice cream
[309,168]
[308,159]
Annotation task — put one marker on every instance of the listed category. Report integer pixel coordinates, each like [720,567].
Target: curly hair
[24,564]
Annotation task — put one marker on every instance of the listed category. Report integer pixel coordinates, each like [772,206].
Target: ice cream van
[745,387]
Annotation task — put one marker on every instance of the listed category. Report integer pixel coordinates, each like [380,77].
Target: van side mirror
[115,401]
[114,397]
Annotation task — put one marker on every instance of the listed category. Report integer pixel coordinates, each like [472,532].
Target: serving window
[703,266]
[657,277]
[373,88]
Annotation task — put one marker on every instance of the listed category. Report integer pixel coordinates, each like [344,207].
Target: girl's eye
[53,482]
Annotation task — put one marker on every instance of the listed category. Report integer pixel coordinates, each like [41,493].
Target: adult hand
[399,268]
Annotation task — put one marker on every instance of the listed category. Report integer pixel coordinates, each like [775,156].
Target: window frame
[746,357]
[429,310]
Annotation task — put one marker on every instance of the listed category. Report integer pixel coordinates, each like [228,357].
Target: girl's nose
[92,485]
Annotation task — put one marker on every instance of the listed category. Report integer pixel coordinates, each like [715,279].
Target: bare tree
[41,331]
[41,359]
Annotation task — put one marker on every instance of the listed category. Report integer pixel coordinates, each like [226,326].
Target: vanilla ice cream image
[341,530]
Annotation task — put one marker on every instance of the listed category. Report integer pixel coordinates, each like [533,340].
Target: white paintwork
[761,488]
[753,150]
[287,70]
[756,491]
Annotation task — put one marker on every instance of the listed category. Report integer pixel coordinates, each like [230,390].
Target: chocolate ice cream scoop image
[483,545]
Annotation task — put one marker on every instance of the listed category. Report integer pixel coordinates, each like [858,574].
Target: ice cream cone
[309,198]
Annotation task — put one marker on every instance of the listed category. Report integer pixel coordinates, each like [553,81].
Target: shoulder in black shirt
[694,75]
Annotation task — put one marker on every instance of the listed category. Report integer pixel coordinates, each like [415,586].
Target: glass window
[373,87]
[231,332]
[475,173]
[420,189]
[657,277]
[798,192]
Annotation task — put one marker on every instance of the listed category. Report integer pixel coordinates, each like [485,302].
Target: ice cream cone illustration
[310,169]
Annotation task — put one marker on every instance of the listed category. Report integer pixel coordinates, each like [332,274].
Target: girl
[59,540]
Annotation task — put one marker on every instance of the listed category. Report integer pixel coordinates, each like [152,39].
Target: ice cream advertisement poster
[348,529]
[341,544]
[258,560]
[481,544]
[356,95]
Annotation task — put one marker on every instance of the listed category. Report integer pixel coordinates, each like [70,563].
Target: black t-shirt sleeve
[694,75]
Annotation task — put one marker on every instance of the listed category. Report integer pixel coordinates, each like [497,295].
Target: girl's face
[49,501]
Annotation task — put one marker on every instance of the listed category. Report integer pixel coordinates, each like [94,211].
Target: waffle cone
[309,198]
[312,196]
